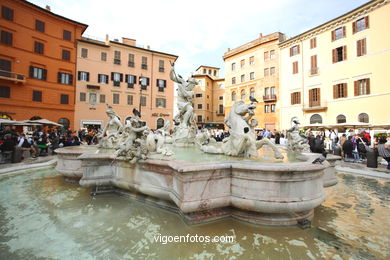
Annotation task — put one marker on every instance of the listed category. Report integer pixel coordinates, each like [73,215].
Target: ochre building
[37,63]
[253,70]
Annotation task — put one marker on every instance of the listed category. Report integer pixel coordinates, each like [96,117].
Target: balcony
[315,106]
[269,98]
[314,71]
[12,76]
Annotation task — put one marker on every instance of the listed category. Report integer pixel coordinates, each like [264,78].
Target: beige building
[253,70]
[208,97]
[339,71]
[110,73]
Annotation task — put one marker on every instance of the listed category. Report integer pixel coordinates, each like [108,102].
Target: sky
[201,31]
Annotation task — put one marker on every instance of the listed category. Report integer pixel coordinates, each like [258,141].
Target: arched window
[252,92]
[316,119]
[160,122]
[341,119]
[243,94]
[363,118]
[65,122]
[35,118]
[233,96]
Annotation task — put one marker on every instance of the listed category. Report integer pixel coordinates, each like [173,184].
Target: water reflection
[43,217]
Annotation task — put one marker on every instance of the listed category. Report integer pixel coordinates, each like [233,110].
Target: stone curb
[10,170]
[363,172]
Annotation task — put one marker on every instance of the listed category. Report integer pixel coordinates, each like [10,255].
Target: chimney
[48,8]
[107,39]
[228,49]
[261,35]
[128,41]
[148,47]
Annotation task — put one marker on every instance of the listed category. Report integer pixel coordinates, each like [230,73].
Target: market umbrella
[44,122]
[380,126]
[352,125]
[6,121]
[316,126]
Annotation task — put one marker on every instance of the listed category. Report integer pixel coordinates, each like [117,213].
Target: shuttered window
[6,38]
[360,24]
[38,47]
[37,96]
[295,98]
[295,67]
[7,13]
[115,98]
[65,78]
[82,96]
[39,26]
[295,50]
[67,35]
[143,101]
[130,99]
[313,43]
[64,99]
[361,47]
[339,33]
[5,92]
[83,76]
[37,73]
[84,53]
[339,54]
[102,98]
[340,90]
[314,97]
[66,55]
[362,87]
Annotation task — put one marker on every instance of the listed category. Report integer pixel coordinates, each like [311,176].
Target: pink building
[110,73]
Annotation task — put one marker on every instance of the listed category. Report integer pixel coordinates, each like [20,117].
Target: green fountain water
[43,217]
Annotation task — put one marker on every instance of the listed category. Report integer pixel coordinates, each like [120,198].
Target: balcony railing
[267,98]
[314,71]
[315,105]
[12,76]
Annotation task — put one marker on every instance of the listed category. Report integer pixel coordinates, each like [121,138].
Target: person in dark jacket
[348,148]
[8,145]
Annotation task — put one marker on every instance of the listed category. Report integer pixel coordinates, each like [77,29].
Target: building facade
[37,63]
[109,72]
[253,70]
[208,97]
[338,72]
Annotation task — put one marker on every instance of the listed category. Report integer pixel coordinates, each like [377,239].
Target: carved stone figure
[185,129]
[109,136]
[156,141]
[242,139]
[297,142]
[130,133]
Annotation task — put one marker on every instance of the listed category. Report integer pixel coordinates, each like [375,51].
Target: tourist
[384,150]
[27,144]
[347,149]
[8,144]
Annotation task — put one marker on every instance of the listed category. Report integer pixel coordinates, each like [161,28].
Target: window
[294,50]
[144,64]
[233,96]
[220,109]
[209,72]
[266,92]
[83,76]
[316,119]
[65,78]
[38,73]
[5,65]
[266,109]
[38,47]
[84,53]
[161,84]
[7,13]
[102,98]
[65,122]
[363,118]
[208,96]
[233,66]
[266,55]
[6,38]
[252,92]
[273,108]
[233,80]
[242,63]
[103,56]
[5,92]
[341,119]
[144,82]
[204,71]
[215,73]
[161,66]
[313,43]
[360,25]
[208,106]
[340,90]
[272,54]
[37,96]
[161,102]
[131,60]
[243,96]
[242,77]
[67,35]
[251,60]
[339,54]
[66,55]
[117,78]
[220,97]
[143,101]
[115,98]
[103,78]
[64,99]
[362,87]
[361,47]
[252,76]
[313,65]
[295,98]
[117,57]
[198,95]
[266,72]
[82,96]
[200,106]
[272,91]
[338,33]
[39,26]
[295,67]
[272,71]
[92,98]
[131,80]
[314,97]
[130,100]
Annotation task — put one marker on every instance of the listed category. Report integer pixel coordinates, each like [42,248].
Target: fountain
[233,181]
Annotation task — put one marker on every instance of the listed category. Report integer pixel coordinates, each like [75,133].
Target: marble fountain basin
[203,187]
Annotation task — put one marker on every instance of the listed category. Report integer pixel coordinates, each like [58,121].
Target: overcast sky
[199,32]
